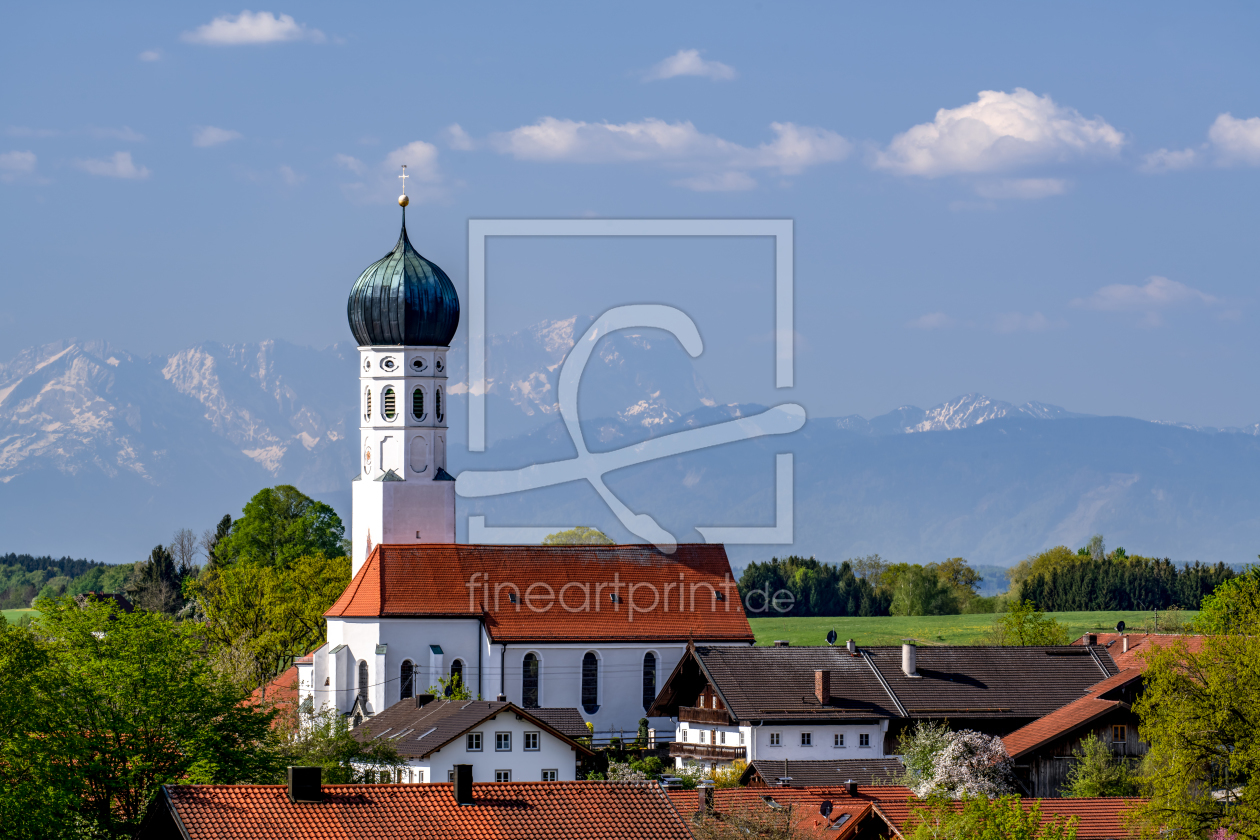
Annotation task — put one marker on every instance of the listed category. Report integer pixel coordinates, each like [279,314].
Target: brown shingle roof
[417,732]
[1074,715]
[987,682]
[564,719]
[826,773]
[571,594]
[509,810]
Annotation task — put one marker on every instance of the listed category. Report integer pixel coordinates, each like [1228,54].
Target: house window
[474,742]
[723,736]
[503,775]
[387,404]
[450,775]
[774,739]
[703,735]
[1119,734]
[807,739]
[550,775]
[408,679]
[420,776]
[839,740]
[741,737]
[864,740]
[531,741]
[684,734]
[417,403]
[363,681]
[649,680]
[529,681]
[503,742]
[590,683]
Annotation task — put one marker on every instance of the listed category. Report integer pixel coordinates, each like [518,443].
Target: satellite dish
[831,637]
[826,808]
[1119,626]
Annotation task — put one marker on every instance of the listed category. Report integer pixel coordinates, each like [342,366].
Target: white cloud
[290,177]
[1010,322]
[32,133]
[719,182]
[209,135]
[119,166]
[1027,188]
[125,134]
[1166,160]
[421,159]
[689,63]
[999,131]
[1158,293]
[15,164]
[677,145]
[252,28]
[352,163]
[931,321]
[150,55]
[1235,140]
[457,138]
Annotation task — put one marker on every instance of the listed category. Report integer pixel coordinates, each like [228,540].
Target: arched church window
[649,679]
[408,680]
[363,681]
[437,403]
[529,681]
[367,403]
[417,403]
[590,683]
[457,672]
[387,404]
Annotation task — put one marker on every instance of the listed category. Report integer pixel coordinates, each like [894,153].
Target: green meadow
[940,629]
[12,616]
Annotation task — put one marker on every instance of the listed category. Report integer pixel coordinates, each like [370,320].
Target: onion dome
[402,298]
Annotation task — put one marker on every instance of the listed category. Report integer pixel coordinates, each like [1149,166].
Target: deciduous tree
[578,536]
[1024,624]
[278,525]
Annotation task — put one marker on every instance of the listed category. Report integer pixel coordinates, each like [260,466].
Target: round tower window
[438,364]
[387,404]
[417,364]
[387,364]
[367,364]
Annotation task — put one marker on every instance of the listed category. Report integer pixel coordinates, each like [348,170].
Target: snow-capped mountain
[958,413]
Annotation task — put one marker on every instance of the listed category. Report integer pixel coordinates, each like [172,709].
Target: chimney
[1091,639]
[822,686]
[304,785]
[909,657]
[852,646]
[851,787]
[500,698]
[1124,644]
[781,643]
[423,700]
[704,800]
[463,784]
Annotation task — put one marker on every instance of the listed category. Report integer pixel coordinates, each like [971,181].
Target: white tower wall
[397,497]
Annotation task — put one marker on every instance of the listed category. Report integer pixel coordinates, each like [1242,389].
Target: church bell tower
[403,311]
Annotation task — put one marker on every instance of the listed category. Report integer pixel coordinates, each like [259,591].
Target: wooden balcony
[707,752]
[695,714]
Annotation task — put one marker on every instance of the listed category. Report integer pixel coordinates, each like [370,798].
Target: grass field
[13,615]
[934,629]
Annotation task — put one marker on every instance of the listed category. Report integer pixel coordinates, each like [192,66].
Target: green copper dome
[402,298]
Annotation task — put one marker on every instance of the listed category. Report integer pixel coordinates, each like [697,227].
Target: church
[591,627]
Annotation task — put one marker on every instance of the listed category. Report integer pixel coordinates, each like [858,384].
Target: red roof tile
[1140,644]
[805,803]
[1098,818]
[1072,716]
[282,691]
[510,810]
[562,592]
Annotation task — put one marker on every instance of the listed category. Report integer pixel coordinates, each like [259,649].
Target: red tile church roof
[508,810]
[562,592]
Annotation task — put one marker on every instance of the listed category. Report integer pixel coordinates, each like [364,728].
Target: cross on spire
[403,177]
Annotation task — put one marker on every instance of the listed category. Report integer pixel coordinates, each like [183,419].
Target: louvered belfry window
[417,404]
[367,411]
[387,404]
[437,403]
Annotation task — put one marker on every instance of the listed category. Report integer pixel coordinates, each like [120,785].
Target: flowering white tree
[955,764]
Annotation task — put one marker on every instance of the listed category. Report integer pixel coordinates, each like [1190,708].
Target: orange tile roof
[804,801]
[1101,818]
[1072,716]
[509,810]
[282,691]
[562,592]
[1140,644]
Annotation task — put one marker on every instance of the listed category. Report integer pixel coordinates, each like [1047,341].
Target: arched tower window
[437,403]
[367,403]
[387,404]
[408,680]
[590,683]
[529,681]
[457,670]
[417,403]
[649,679]
[363,681]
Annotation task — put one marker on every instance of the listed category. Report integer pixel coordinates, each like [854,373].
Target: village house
[835,704]
[501,742]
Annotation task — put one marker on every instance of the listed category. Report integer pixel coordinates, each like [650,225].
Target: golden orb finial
[403,201]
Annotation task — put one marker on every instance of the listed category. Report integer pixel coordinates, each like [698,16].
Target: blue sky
[1032,201]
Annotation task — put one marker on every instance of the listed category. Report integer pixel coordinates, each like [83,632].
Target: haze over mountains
[103,454]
